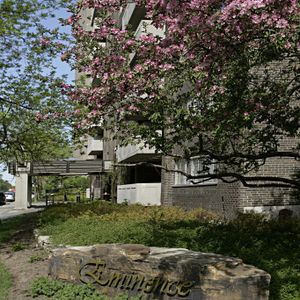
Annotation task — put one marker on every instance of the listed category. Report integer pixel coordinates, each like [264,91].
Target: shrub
[110,223]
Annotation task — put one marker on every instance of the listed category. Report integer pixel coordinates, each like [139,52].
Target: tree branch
[270,181]
[17,104]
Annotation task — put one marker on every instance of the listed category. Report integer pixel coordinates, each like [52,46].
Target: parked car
[2,198]
[10,196]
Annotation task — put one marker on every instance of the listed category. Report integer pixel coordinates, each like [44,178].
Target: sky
[62,68]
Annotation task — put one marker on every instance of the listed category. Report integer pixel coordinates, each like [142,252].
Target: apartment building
[97,145]
[152,186]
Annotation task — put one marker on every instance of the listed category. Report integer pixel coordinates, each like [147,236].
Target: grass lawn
[5,282]
[273,246]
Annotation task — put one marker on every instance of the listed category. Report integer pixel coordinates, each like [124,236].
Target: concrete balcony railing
[146,27]
[143,193]
[131,15]
[135,153]
[127,13]
[94,147]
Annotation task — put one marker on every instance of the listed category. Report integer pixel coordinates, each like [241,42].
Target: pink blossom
[138,68]
[132,108]
[148,38]
[203,41]
[287,45]
[77,111]
[105,77]
[38,117]
[129,43]
[65,86]
[167,67]
[70,20]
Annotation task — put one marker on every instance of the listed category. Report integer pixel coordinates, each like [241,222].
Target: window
[193,167]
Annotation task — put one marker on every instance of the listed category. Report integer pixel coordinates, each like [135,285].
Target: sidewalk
[8,210]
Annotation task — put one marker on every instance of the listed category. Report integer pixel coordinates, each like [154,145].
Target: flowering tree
[29,85]
[222,82]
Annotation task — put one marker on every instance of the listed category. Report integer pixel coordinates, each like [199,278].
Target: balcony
[94,147]
[145,27]
[131,15]
[142,193]
[136,153]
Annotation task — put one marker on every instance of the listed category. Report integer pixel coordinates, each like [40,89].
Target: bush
[111,223]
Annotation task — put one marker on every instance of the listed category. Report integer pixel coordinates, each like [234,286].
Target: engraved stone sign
[159,273]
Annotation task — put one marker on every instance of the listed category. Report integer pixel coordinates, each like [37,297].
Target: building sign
[95,272]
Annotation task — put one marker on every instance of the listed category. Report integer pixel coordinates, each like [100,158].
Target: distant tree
[4,184]
[30,89]
[73,183]
[76,182]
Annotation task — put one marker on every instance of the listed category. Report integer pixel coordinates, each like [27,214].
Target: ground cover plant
[59,290]
[272,245]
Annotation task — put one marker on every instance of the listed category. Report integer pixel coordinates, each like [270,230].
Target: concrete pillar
[96,186]
[23,191]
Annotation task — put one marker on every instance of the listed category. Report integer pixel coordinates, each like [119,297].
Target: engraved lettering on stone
[94,272]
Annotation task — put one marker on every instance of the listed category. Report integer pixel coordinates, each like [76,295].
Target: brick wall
[283,167]
[167,180]
[220,198]
[228,199]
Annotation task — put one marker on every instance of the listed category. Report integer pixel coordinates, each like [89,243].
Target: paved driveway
[8,210]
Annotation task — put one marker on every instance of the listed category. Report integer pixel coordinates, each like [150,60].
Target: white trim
[192,167]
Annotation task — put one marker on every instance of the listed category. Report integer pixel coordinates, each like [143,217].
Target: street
[8,210]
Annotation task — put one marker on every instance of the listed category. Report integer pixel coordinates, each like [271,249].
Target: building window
[194,167]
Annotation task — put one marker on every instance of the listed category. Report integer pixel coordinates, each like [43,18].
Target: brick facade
[220,198]
[224,199]
[227,199]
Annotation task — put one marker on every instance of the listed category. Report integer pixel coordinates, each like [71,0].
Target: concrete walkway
[8,210]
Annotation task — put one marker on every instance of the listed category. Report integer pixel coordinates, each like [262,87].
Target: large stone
[160,273]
